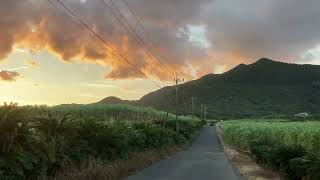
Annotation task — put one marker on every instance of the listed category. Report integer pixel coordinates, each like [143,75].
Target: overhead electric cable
[105,42]
[131,31]
[140,23]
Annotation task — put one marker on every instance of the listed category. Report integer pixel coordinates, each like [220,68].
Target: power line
[78,20]
[131,30]
[66,14]
[140,39]
[105,42]
[153,44]
[140,22]
[72,19]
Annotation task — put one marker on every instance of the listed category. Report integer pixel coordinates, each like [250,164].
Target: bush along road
[39,142]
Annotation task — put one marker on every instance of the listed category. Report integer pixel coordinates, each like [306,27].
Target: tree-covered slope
[265,87]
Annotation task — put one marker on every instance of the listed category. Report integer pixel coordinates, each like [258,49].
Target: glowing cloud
[202,34]
[8,75]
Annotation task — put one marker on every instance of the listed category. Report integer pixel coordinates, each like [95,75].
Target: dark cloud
[6,47]
[37,25]
[238,31]
[8,75]
[268,28]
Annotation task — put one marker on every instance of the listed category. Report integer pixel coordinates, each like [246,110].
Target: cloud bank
[238,32]
[8,75]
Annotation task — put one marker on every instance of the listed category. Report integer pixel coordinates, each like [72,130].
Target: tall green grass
[38,141]
[118,112]
[291,147]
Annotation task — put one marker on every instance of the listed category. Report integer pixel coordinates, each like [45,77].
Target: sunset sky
[46,58]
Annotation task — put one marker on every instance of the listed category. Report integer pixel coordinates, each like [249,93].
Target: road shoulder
[245,165]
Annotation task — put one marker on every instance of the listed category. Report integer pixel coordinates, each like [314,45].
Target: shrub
[291,147]
[314,170]
[39,141]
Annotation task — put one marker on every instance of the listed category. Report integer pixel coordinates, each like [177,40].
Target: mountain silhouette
[266,87]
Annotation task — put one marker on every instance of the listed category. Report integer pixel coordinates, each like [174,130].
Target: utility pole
[205,113]
[177,80]
[192,106]
[201,110]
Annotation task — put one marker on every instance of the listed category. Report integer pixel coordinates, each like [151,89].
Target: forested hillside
[265,87]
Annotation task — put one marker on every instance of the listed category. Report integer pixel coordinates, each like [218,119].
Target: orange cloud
[45,27]
[8,75]
[236,33]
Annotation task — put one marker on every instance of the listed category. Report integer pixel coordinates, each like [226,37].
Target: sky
[47,57]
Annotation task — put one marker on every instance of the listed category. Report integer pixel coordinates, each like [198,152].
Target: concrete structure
[304,114]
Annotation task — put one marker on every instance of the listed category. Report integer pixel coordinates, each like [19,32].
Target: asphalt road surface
[204,160]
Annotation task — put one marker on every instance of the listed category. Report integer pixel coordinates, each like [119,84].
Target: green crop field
[287,146]
[39,141]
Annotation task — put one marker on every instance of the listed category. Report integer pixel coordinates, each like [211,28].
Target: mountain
[265,87]
[115,100]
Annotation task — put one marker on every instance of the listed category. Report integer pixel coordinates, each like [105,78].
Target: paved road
[204,160]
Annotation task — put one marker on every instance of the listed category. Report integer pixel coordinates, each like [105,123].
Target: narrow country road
[204,160]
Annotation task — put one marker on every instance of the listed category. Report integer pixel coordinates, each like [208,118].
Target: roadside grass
[94,169]
[43,142]
[289,147]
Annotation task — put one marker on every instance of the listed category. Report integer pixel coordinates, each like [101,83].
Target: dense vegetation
[263,88]
[38,141]
[291,147]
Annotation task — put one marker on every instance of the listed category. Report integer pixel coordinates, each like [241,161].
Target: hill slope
[265,87]
[114,100]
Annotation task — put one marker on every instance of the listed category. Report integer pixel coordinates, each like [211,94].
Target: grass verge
[291,148]
[46,141]
[245,165]
[117,170]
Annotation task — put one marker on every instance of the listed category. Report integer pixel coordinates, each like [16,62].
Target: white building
[304,114]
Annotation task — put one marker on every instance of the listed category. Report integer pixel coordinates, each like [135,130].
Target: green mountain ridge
[263,88]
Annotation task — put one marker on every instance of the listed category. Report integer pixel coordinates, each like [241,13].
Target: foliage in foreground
[290,147]
[39,141]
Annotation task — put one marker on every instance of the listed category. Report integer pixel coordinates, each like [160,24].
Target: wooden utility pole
[201,110]
[205,113]
[177,80]
[192,106]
